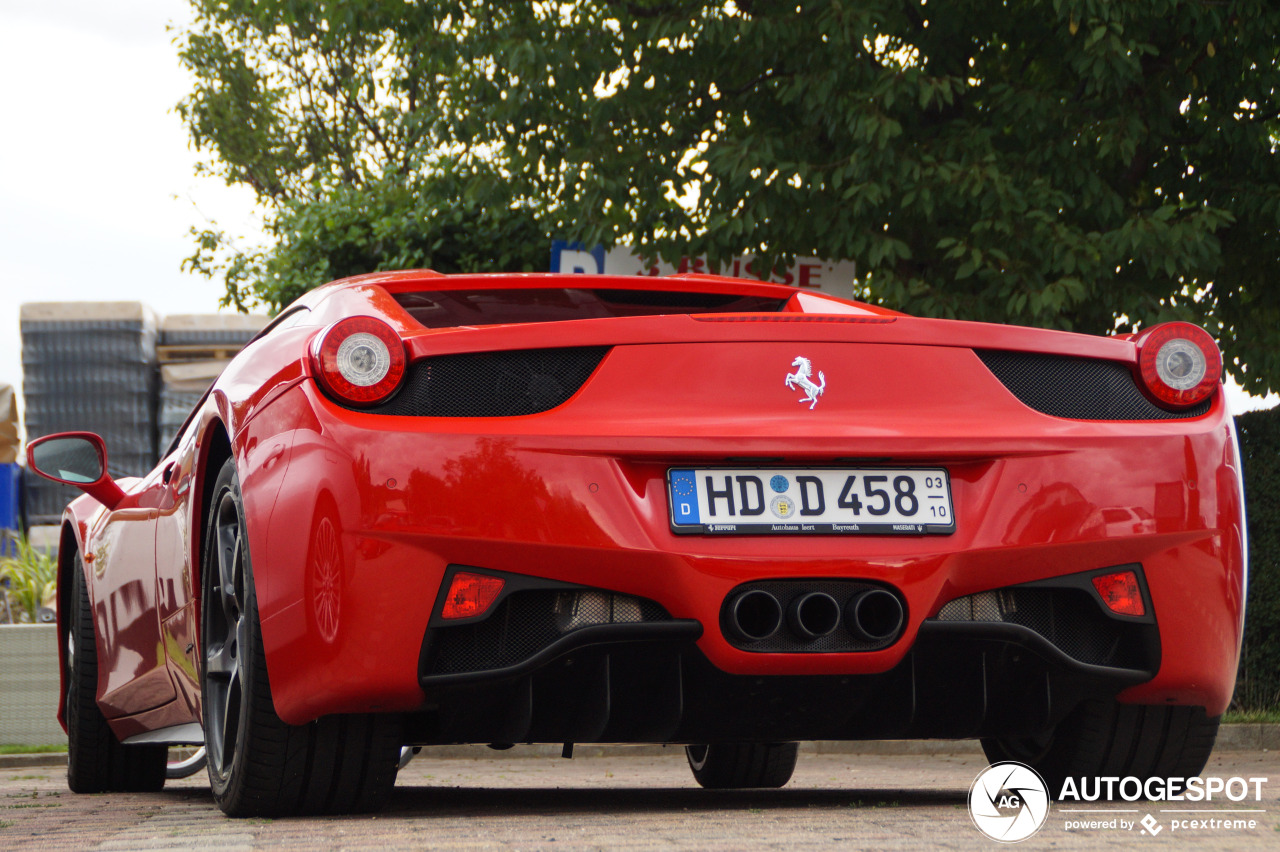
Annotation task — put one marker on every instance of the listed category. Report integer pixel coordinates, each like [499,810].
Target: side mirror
[75,458]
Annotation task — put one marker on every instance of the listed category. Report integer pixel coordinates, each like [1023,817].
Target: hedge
[1258,682]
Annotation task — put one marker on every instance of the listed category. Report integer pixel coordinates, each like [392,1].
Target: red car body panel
[578,495]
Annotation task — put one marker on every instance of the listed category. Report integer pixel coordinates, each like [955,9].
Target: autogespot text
[1130,789]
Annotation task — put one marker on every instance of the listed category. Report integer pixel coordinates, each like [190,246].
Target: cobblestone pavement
[632,802]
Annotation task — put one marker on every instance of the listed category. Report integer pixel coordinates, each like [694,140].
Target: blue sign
[684,497]
[575,258]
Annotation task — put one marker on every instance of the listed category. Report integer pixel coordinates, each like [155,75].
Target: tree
[329,112]
[1094,165]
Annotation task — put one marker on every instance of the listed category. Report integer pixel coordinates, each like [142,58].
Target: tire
[734,766]
[1106,738]
[96,761]
[259,765]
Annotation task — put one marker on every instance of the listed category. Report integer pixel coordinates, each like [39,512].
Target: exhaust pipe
[813,615]
[754,615]
[874,615]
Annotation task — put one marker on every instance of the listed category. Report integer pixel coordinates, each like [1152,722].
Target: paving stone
[630,802]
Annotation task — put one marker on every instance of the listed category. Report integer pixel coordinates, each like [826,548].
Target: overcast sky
[98,191]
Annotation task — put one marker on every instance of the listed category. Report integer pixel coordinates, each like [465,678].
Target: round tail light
[359,360]
[1180,364]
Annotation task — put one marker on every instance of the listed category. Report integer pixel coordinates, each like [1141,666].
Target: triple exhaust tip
[872,615]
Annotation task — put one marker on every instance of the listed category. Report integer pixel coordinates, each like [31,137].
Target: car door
[132,675]
[174,575]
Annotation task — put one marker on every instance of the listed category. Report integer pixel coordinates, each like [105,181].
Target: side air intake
[1077,388]
[493,384]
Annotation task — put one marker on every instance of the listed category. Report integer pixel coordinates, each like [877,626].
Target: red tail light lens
[360,360]
[470,595]
[1179,363]
[1121,593]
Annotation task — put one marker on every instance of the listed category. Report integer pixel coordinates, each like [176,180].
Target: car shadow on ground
[479,801]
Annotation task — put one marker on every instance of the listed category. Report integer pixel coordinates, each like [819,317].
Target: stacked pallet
[114,368]
[89,366]
[193,350]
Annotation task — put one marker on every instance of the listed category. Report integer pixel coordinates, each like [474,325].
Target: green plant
[28,579]
[47,748]
[1258,681]
[1251,717]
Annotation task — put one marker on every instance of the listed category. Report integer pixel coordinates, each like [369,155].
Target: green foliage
[1251,717]
[1077,164]
[387,225]
[1258,683]
[28,579]
[326,110]
[49,748]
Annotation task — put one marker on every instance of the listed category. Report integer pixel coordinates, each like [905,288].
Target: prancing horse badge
[801,379]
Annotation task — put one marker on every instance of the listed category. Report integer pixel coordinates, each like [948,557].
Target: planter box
[29,685]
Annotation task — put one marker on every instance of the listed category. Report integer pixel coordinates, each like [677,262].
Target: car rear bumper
[582,501]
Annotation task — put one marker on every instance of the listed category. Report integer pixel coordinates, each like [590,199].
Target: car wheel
[96,761]
[1106,738]
[728,766]
[258,764]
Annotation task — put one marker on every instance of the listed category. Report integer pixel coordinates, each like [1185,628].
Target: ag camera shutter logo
[1008,801]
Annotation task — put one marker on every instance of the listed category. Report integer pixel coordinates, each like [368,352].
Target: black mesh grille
[1079,388]
[1069,618]
[529,621]
[493,384]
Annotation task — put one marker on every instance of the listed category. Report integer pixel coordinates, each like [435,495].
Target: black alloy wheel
[255,759]
[223,630]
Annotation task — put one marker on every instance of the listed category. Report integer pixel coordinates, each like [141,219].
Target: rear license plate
[811,501]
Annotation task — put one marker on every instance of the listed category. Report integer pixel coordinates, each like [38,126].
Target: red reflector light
[1121,593]
[470,595]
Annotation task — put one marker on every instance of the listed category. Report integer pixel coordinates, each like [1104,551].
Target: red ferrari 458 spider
[423,509]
